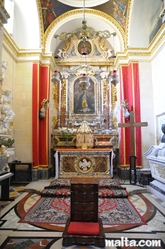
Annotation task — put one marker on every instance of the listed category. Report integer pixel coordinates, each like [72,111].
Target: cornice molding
[41,22]
[22,55]
[142,54]
[129,8]
[135,54]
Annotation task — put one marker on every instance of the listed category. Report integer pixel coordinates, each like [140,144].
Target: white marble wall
[152,78]
[31,38]
[158,81]
[147,107]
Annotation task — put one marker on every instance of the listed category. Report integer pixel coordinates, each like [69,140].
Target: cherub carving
[6,96]
[62,54]
[7,112]
[107,54]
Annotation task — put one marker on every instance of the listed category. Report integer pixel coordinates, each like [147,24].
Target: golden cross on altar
[132,125]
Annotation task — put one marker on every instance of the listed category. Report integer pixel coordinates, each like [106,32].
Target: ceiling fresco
[51,9]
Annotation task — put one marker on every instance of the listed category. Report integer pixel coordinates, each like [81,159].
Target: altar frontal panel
[86,163]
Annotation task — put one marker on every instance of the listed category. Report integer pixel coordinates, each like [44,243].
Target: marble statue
[6,112]
[6,96]
[2,71]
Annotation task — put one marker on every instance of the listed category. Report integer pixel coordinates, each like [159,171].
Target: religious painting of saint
[84,47]
[48,12]
[119,12]
[117,9]
[84,102]
[51,9]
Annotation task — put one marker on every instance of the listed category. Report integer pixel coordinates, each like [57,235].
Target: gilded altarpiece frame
[76,114]
[95,64]
[101,93]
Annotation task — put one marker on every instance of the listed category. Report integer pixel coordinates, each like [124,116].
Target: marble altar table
[71,162]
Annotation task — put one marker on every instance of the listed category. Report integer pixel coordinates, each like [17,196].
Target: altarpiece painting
[84,100]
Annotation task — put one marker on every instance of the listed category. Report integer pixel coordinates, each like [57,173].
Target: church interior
[81,93]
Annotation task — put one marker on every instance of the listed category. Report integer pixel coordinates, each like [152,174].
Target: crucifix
[132,125]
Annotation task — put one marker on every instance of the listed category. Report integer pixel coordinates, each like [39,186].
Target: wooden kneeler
[84,227]
[83,233]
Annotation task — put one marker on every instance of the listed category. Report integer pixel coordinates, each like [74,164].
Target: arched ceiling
[144,16]
[99,16]
[134,21]
[70,23]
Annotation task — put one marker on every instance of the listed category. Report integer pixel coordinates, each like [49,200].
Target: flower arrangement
[6,142]
[45,103]
[124,104]
[126,111]
[66,133]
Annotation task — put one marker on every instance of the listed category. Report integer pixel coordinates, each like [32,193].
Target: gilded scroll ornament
[64,93]
[55,96]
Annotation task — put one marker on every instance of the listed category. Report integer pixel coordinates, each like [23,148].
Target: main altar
[84,137]
[84,162]
[83,154]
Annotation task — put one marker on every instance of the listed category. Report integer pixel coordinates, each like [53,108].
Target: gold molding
[129,7]
[64,94]
[92,63]
[18,53]
[158,38]
[79,11]
[40,54]
[55,96]
[156,43]
[40,21]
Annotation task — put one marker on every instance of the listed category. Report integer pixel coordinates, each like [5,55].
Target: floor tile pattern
[24,236]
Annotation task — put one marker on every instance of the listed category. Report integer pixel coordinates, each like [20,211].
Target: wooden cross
[132,126]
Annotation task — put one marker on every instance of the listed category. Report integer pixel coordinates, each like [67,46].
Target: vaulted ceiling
[134,21]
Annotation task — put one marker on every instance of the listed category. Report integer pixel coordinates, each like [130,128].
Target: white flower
[124,103]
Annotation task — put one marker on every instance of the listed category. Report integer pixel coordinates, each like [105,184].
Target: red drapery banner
[130,91]
[40,128]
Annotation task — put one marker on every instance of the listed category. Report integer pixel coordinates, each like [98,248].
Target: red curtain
[130,91]
[40,128]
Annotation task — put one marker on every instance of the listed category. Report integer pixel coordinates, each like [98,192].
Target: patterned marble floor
[29,236]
